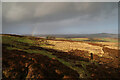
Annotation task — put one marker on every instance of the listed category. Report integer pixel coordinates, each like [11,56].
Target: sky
[0,17]
[59,17]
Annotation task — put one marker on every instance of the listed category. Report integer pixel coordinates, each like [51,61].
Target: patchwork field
[26,57]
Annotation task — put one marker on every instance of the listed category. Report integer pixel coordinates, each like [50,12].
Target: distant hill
[99,35]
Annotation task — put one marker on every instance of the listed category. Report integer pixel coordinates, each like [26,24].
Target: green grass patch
[109,39]
[9,39]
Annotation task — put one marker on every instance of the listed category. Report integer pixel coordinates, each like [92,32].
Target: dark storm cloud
[52,15]
[44,12]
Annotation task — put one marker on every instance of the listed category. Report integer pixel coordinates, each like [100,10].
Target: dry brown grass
[95,48]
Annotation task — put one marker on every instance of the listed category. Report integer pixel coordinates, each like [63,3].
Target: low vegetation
[27,57]
[50,37]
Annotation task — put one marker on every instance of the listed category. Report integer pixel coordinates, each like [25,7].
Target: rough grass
[81,70]
[12,40]
[17,43]
[25,43]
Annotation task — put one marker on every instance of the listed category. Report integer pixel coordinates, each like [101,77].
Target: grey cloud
[43,12]
[0,17]
[58,14]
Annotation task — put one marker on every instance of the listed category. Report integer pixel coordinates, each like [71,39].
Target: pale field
[66,46]
[79,39]
[74,39]
[112,45]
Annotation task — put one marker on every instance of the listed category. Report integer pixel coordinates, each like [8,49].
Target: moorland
[27,57]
